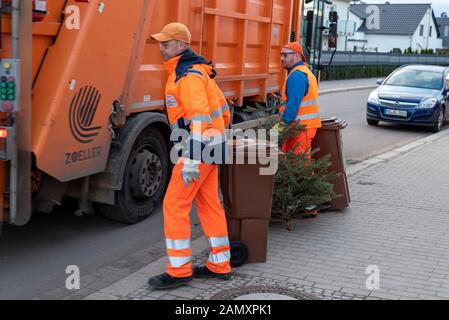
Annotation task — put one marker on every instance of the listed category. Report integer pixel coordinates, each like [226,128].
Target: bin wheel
[239,253]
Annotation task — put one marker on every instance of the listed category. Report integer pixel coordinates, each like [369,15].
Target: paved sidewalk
[398,222]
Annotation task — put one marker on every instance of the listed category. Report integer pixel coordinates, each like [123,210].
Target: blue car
[412,94]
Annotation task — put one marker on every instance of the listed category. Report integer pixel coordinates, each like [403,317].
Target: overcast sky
[437,5]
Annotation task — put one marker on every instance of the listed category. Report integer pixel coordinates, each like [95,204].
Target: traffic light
[333,16]
[309,28]
[333,19]
[332,37]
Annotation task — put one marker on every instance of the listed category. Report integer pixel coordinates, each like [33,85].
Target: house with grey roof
[392,27]
[443,26]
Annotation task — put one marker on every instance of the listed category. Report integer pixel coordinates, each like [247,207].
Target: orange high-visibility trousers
[302,143]
[177,205]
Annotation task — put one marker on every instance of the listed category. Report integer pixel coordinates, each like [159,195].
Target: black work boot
[204,272]
[166,281]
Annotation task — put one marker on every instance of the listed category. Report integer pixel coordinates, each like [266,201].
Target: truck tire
[144,181]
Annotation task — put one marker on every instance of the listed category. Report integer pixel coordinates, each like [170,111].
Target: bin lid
[256,148]
[333,123]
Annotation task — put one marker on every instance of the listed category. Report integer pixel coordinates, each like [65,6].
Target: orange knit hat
[296,46]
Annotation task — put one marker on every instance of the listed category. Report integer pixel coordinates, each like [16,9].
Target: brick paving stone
[302,282]
[354,291]
[443,295]
[427,297]
[182,294]
[383,295]
[274,276]
[403,294]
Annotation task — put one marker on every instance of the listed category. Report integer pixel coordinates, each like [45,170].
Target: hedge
[356,72]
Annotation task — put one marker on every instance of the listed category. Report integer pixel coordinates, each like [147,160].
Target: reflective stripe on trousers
[220,257]
[177,262]
[177,244]
[218,242]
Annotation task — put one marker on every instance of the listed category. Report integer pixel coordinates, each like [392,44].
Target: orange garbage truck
[82,94]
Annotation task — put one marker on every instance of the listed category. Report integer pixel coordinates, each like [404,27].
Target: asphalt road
[34,258]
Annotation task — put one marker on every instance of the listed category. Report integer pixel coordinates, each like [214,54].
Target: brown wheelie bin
[247,196]
[329,141]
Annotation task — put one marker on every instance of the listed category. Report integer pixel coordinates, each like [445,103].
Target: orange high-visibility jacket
[195,102]
[308,111]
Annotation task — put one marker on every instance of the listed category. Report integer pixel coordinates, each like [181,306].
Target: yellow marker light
[7,65]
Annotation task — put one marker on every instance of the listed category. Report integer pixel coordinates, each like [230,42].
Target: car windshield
[417,79]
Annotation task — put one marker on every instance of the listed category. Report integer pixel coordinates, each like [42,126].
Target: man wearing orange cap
[195,105]
[300,95]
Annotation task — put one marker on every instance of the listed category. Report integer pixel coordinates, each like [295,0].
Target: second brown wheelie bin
[329,141]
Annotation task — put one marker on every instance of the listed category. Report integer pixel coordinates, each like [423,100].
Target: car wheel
[439,121]
[372,122]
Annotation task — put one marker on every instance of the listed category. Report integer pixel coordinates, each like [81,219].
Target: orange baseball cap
[296,46]
[173,31]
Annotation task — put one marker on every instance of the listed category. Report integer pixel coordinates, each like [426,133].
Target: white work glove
[280,126]
[190,171]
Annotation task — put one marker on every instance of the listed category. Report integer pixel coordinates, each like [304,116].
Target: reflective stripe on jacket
[308,111]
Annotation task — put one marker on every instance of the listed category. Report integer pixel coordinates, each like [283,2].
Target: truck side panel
[83,73]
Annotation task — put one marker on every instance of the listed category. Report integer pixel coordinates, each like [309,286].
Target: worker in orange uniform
[194,103]
[300,96]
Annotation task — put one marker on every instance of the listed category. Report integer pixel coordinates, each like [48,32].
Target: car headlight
[373,98]
[427,103]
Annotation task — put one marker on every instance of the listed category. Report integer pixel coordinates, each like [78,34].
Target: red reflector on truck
[3,133]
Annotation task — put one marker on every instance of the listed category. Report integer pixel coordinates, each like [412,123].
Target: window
[416,79]
[430,31]
[421,30]
[446,31]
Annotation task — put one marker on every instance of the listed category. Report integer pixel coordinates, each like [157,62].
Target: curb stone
[337,90]
[400,151]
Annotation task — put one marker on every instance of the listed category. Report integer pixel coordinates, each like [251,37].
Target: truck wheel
[144,180]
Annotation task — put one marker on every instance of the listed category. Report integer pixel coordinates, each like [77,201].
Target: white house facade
[400,26]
